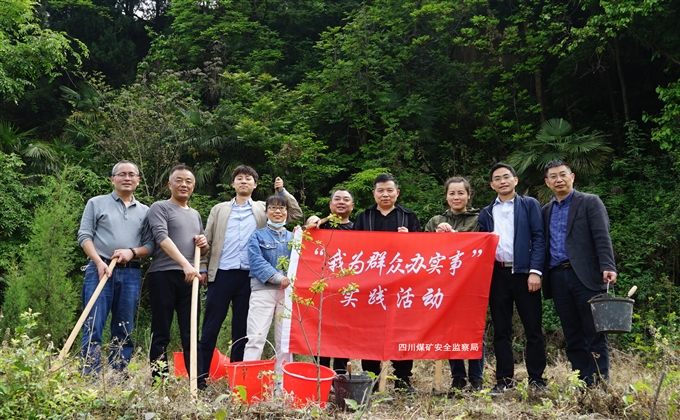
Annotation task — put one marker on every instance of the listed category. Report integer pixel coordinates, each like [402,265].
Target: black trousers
[587,350]
[402,368]
[168,293]
[229,286]
[506,289]
[339,363]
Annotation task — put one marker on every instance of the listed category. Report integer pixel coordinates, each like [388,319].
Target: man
[113,226]
[341,205]
[516,276]
[178,229]
[580,263]
[228,229]
[388,216]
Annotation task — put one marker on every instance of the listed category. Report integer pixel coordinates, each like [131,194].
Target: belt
[503,264]
[129,264]
[562,266]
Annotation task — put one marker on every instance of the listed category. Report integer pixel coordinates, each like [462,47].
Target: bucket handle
[613,289]
[248,336]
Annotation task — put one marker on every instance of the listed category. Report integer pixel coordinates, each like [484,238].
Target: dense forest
[328,93]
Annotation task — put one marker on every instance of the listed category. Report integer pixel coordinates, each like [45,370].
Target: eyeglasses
[277,208]
[506,177]
[127,175]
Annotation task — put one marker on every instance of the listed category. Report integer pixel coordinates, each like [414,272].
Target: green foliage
[259,121]
[42,281]
[585,152]
[222,29]
[18,197]
[644,225]
[667,131]
[142,123]
[29,51]
[29,390]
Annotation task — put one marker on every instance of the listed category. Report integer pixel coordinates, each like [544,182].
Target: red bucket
[255,376]
[217,369]
[299,380]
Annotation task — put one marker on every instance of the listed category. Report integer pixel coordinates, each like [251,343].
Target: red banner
[420,295]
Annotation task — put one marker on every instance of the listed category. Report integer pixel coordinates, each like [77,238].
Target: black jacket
[405,217]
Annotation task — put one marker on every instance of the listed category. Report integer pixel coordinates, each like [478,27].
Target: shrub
[41,280]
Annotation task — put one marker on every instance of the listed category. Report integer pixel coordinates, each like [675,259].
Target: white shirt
[504,226]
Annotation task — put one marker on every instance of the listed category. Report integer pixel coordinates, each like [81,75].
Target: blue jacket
[529,243]
[265,247]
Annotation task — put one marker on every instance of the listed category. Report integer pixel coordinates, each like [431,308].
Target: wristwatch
[134,253]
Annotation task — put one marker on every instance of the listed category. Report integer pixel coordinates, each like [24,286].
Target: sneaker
[476,384]
[499,389]
[458,382]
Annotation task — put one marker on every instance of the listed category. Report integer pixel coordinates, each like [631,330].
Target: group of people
[563,248]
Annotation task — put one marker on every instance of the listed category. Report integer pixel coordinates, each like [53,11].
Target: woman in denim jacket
[267,281]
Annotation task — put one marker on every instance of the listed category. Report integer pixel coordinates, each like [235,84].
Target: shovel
[84,315]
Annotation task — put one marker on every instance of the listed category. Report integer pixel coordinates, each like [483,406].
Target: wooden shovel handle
[86,312]
[193,339]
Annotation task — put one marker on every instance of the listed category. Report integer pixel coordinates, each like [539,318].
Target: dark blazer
[589,245]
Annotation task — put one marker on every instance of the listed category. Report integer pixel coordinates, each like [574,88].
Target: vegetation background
[329,93]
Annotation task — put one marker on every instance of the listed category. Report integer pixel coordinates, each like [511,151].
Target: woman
[458,218]
[268,282]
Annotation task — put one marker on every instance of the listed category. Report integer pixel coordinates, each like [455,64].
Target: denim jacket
[265,247]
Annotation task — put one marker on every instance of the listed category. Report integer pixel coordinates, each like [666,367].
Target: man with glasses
[579,264]
[228,229]
[113,226]
[516,276]
[341,205]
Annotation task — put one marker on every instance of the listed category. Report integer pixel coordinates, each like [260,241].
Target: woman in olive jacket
[458,218]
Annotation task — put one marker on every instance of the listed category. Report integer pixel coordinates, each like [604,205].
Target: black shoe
[476,384]
[500,389]
[403,385]
[538,386]
[458,382]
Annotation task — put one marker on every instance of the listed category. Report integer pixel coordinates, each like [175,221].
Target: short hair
[244,170]
[456,180]
[123,162]
[341,189]
[385,178]
[555,163]
[179,168]
[499,165]
[276,200]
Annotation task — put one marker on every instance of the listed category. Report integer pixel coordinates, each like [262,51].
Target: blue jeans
[120,296]
[475,367]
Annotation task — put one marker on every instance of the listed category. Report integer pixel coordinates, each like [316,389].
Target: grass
[642,386]
[630,394]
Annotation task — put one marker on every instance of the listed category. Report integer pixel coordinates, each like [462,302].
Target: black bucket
[357,388]
[611,314]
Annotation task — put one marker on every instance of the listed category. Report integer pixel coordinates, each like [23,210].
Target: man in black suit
[579,264]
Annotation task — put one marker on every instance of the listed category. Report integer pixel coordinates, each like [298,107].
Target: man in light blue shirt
[228,229]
